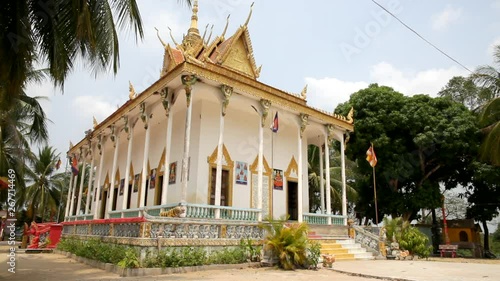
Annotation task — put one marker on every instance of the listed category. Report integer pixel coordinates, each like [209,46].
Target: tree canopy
[419,141]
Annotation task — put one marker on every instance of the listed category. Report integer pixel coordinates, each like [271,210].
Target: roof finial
[249,15]
[194,19]
[172,36]
[225,28]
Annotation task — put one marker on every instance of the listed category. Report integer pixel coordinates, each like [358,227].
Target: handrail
[324,219]
[367,239]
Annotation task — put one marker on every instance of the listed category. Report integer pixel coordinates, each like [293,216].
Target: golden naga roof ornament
[162,42]
[173,39]
[131,93]
[94,122]
[225,28]
[350,116]
[249,15]
[303,94]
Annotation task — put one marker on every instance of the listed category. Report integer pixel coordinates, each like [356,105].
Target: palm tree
[335,179]
[44,187]
[57,32]
[489,118]
[22,124]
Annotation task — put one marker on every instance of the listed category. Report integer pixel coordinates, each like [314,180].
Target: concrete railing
[324,219]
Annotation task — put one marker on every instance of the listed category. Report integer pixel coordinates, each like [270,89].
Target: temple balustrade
[323,219]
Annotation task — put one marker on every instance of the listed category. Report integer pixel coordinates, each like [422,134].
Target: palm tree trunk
[43,205]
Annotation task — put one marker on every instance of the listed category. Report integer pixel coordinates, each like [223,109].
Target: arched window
[463,236]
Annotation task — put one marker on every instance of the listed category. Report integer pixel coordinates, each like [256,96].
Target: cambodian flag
[275,124]
[74,166]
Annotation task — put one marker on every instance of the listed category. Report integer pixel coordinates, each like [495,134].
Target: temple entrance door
[115,198]
[224,192]
[104,203]
[159,191]
[129,196]
[293,210]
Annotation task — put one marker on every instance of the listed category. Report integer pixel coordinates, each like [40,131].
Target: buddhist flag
[58,164]
[74,166]
[371,157]
[275,123]
[4,183]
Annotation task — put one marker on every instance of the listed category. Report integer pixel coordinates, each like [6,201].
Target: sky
[336,47]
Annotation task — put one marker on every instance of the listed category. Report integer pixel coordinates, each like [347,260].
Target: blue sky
[336,47]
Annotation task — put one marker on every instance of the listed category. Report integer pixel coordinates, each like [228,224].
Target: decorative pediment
[226,158]
[171,58]
[254,168]
[293,169]
[106,181]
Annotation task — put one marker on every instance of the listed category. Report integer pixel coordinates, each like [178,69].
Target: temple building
[209,136]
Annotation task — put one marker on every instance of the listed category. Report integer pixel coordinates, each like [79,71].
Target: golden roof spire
[249,15]
[194,19]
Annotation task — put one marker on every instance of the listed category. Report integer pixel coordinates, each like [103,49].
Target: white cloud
[449,15]
[99,106]
[327,93]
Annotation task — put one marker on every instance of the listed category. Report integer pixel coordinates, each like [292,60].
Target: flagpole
[59,208]
[375,195]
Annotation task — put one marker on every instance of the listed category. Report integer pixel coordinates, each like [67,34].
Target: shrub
[131,259]
[408,237]
[313,254]
[288,242]
[251,249]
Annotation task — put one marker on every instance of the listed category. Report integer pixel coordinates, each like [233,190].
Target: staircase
[334,241]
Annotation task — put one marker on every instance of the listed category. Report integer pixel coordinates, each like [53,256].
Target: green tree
[420,142]
[488,77]
[463,90]
[44,186]
[56,33]
[314,177]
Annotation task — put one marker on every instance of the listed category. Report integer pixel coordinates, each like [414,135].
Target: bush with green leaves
[313,254]
[288,241]
[94,249]
[408,237]
[251,248]
[131,259]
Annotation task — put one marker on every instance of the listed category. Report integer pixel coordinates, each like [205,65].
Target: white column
[89,188]
[80,191]
[218,176]
[344,193]
[113,178]
[300,176]
[327,184]
[322,180]
[127,169]
[145,171]
[188,81]
[260,169]
[99,178]
[68,200]
[72,204]
[168,142]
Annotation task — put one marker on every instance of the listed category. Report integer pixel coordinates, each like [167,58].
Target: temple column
[145,172]
[344,191]
[99,178]
[321,180]
[68,200]
[89,187]
[188,81]
[167,98]
[226,94]
[303,123]
[327,169]
[72,205]
[265,105]
[80,191]
[130,137]
[115,139]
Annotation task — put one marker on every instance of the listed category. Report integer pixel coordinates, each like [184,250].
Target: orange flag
[371,157]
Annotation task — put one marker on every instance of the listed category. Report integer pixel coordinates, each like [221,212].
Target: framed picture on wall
[137,182]
[152,180]
[122,186]
[277,179]
[241,173]
[172,172]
